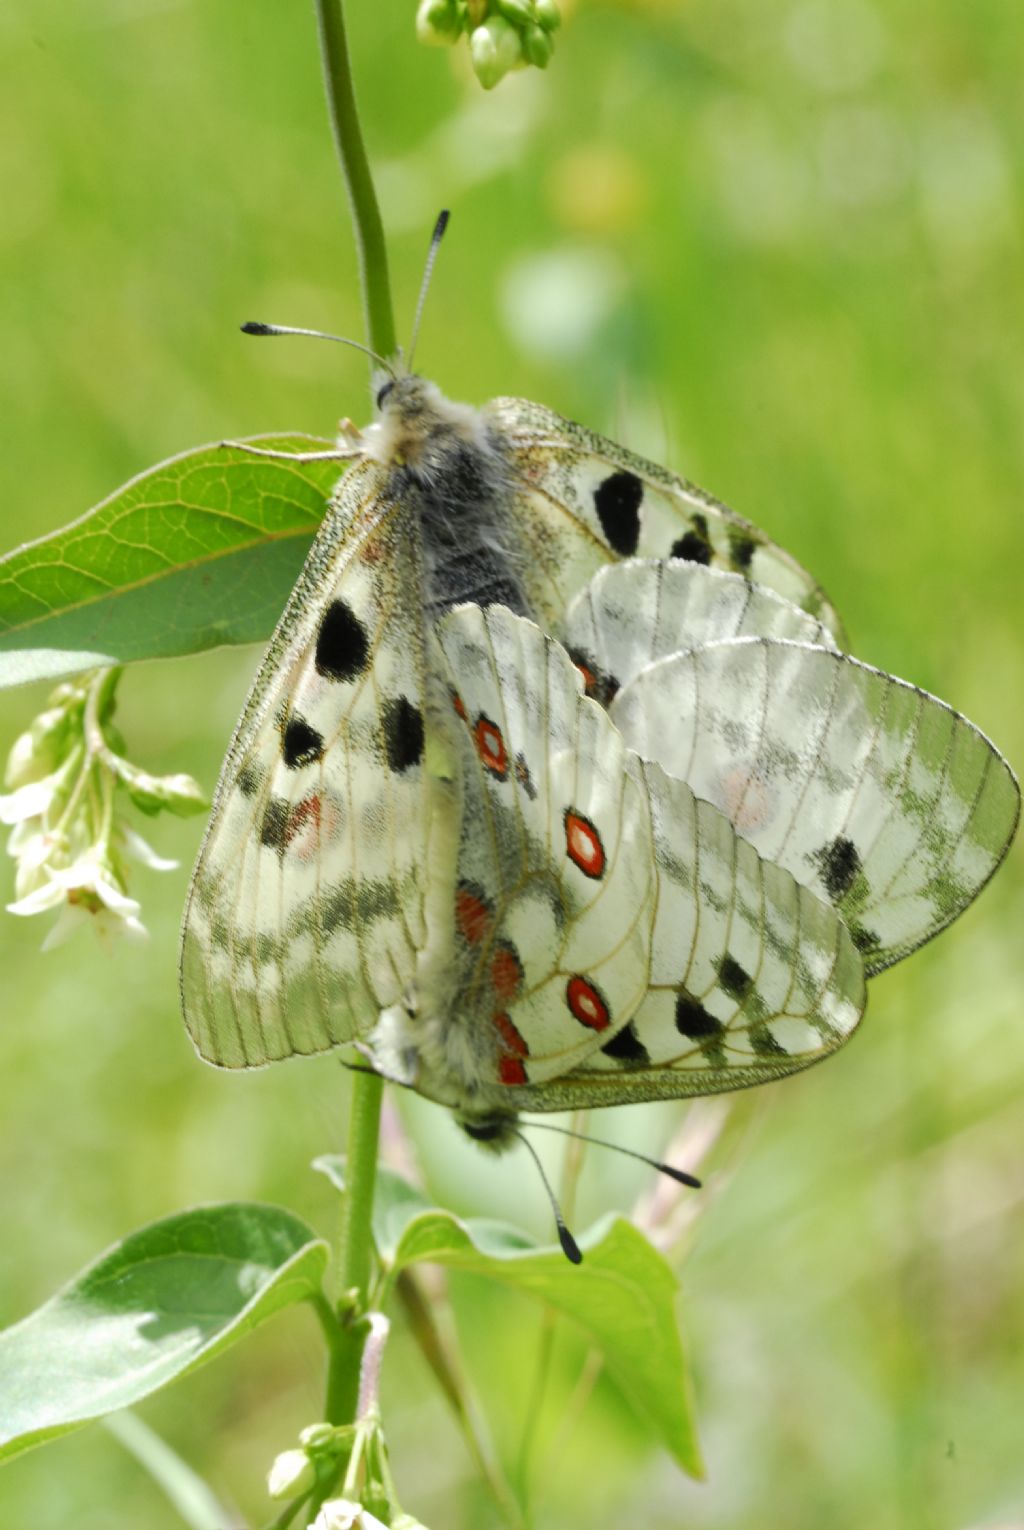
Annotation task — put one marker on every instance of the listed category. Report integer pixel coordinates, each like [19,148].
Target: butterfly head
[413,417]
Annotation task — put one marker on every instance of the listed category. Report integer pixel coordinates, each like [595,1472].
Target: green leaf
[154,1307]
[200,551]
[623,1294]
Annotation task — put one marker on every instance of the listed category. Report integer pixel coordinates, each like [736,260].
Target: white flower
[39,900]
[143,851]
[343,1514]
[29,801]
[88,889]
[37,852]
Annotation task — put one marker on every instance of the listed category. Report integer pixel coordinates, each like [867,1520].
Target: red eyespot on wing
[511,1070]
[583,844]
[490,746]
[310,824]
[472,914]
[586,1004]
[506,973]
[459,707]
[510,1062]
[515,1043]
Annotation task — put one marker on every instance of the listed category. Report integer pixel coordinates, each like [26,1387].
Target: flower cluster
[68,840]
[349,1457]
[503,34]
[343,1514]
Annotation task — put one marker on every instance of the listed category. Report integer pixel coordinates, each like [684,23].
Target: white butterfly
[428,840]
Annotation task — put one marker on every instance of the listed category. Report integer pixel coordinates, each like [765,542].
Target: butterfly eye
[383,393]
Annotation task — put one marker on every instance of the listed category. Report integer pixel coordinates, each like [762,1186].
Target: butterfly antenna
[570,1248]
[255,327]
[616,1147]
[435,240]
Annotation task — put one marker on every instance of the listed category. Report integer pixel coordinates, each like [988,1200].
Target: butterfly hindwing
[753,977]
[635,612]
[643,948]
[582,500]
[555,886]
[868,790]
[305,911]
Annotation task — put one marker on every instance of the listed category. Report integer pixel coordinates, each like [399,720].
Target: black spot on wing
[866,941]
[351,905]
[764,1043]
[733,978]
[342,647]
[301,744]
[627,1048]
[249,780]
[839,864]
[695,544]
[693,1020]
[403,733]
[274,828]
[617,501]
[742,547]
[524,778]
[597,683]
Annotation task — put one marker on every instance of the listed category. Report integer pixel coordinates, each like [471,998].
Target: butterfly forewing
[582,501]
[306,905]
[870,791]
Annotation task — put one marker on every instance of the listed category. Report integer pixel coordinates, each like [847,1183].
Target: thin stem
[355,1248]
[356,1241]
[345,1343]
[97,705]
[439,1348]
[194,1500]
[369,230]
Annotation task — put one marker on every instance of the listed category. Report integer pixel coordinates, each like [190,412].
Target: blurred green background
[776,244]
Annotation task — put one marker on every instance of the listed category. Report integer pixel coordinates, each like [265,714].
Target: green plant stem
[369,230]
[355,1248]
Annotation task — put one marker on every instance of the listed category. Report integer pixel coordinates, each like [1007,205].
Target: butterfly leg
[336,454]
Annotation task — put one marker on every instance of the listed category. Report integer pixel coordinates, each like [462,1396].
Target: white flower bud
[23,762]
[314,1436]
[291,1475]
[179,794]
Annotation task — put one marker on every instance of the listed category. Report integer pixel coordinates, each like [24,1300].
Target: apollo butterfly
[554,787]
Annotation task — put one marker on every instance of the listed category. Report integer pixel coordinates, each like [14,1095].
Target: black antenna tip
[680,1175]
[441,224]
[570,1248]
[254,327]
